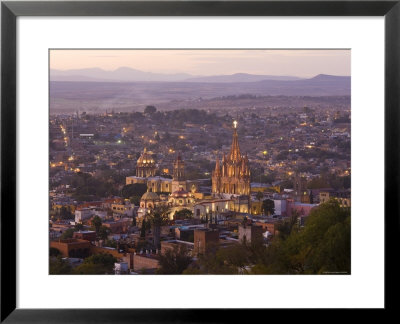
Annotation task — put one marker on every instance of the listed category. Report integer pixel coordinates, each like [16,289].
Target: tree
[268,207]
[54,252]
[183,214]
[103,232]
[158,217]
[78,227]
[174,261]
[322,246]
[59,266]
[67,234]
[101,263]
[259,195]
[143,229]
[286,227]
[150,110]
[133,190]
[96,222]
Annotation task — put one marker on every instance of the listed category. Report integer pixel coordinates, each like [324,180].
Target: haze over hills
[67,96]
[126,74]
[122,74]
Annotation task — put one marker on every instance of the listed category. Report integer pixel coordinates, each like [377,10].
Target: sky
[301,63]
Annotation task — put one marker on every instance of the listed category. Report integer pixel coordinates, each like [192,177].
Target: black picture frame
[10,10]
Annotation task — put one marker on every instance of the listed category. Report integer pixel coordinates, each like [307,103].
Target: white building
[121,268]
[211,206]
[82,214]
[280,206]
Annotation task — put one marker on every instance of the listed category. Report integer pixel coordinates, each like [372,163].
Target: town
[202,190]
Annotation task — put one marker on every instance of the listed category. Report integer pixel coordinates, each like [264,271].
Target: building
[85,235]
[213,206]
[123,209]
[145,262]
[179,200]
[342,196]
[83,214]
[250,233]
[161,184]
[175,244]
[204,239]
[121,268]
[72,248]
[233,176]
[178,180]
[149,200]
[300,189]
[145,166]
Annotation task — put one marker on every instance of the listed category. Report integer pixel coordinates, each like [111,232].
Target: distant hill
[126,74]
[122,74]
[241,77]
[106,95]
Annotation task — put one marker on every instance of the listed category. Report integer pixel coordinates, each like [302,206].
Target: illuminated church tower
[178,179]
[233,176]
[145,166]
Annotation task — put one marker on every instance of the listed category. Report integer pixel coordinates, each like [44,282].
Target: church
[146,168]
[232,175]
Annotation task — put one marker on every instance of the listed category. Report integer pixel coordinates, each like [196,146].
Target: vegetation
[134,190]
[268,207]
[89,188]
[322,246]
[67,234]
[102,263]
[54,252]
[183,214]
[59,266]
[158,217]
[174,261]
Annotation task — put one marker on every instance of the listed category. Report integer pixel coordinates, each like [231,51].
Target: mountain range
[126,74]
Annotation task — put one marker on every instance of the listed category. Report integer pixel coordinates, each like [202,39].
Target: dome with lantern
[146,165]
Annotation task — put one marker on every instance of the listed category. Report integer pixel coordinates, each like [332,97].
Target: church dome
[146,158]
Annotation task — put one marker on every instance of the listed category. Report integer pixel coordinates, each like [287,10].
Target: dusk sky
[301,63]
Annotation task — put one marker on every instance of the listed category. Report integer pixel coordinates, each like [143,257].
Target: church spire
[235,150]
[217,167]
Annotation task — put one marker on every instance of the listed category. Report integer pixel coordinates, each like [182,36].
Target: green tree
[183,214]
[67,234]
[96,222]
[102,263]
[133,190]
[158,217]
[268,207]
[174,261]
[103,232]
[59,266]
[143,229]
[259,195]
[54,252]
[321,247]
[78,227]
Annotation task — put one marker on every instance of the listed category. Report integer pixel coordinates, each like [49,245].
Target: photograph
[199,161]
